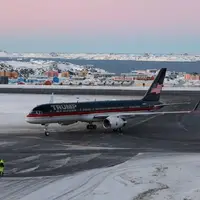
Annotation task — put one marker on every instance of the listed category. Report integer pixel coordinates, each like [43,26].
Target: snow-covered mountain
[38,67]
[6,54]
[109,56]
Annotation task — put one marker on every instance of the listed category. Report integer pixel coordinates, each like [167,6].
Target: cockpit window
[36,112]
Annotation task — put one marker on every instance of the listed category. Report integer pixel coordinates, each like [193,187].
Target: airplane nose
[32,119]
[28,118]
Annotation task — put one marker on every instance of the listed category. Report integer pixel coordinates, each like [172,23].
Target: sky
[100,26]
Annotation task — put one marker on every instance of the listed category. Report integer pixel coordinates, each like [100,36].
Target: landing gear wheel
[94,126]
[46,133]
[120,131]
[91,126]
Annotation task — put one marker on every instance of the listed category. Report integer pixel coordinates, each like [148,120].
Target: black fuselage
[75,108]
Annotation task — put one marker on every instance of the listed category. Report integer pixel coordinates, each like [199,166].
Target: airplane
[112,113]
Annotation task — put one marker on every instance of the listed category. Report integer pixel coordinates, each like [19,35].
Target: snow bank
[154,176]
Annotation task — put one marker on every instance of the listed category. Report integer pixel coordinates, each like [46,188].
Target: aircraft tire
[91,126]
[118,130]
[94,126]
[46,133]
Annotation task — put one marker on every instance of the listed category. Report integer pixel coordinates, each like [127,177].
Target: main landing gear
[91,126]
[118,130]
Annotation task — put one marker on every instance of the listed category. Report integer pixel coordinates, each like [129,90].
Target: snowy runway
[77,163]
[28,156]
[147,176]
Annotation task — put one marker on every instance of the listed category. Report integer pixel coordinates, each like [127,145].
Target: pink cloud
[99,16]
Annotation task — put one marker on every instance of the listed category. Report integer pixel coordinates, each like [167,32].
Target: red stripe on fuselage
[54,114]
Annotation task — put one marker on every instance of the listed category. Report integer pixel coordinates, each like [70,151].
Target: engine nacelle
[114,122]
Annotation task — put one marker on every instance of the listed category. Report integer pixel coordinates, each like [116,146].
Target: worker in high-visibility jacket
[1,167]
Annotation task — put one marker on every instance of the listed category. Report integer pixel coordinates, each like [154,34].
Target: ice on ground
[28,170]
[147,176]
[6,143]
[54,164]
[26,159]
[81,147]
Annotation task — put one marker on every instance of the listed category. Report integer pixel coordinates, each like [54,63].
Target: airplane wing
[127,115]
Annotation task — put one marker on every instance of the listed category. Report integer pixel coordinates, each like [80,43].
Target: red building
[51,73]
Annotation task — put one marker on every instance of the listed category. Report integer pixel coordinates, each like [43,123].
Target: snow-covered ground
[40,66]
[34,64]
[156,176]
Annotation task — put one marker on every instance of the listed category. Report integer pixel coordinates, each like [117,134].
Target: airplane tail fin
[153,93]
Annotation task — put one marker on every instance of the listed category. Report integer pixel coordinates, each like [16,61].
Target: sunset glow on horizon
[88,25]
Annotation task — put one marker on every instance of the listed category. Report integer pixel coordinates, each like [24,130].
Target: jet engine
[114,122]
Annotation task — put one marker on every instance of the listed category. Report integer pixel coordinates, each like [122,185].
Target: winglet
[196,106]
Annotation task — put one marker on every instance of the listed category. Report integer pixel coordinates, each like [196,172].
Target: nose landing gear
[46,132]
